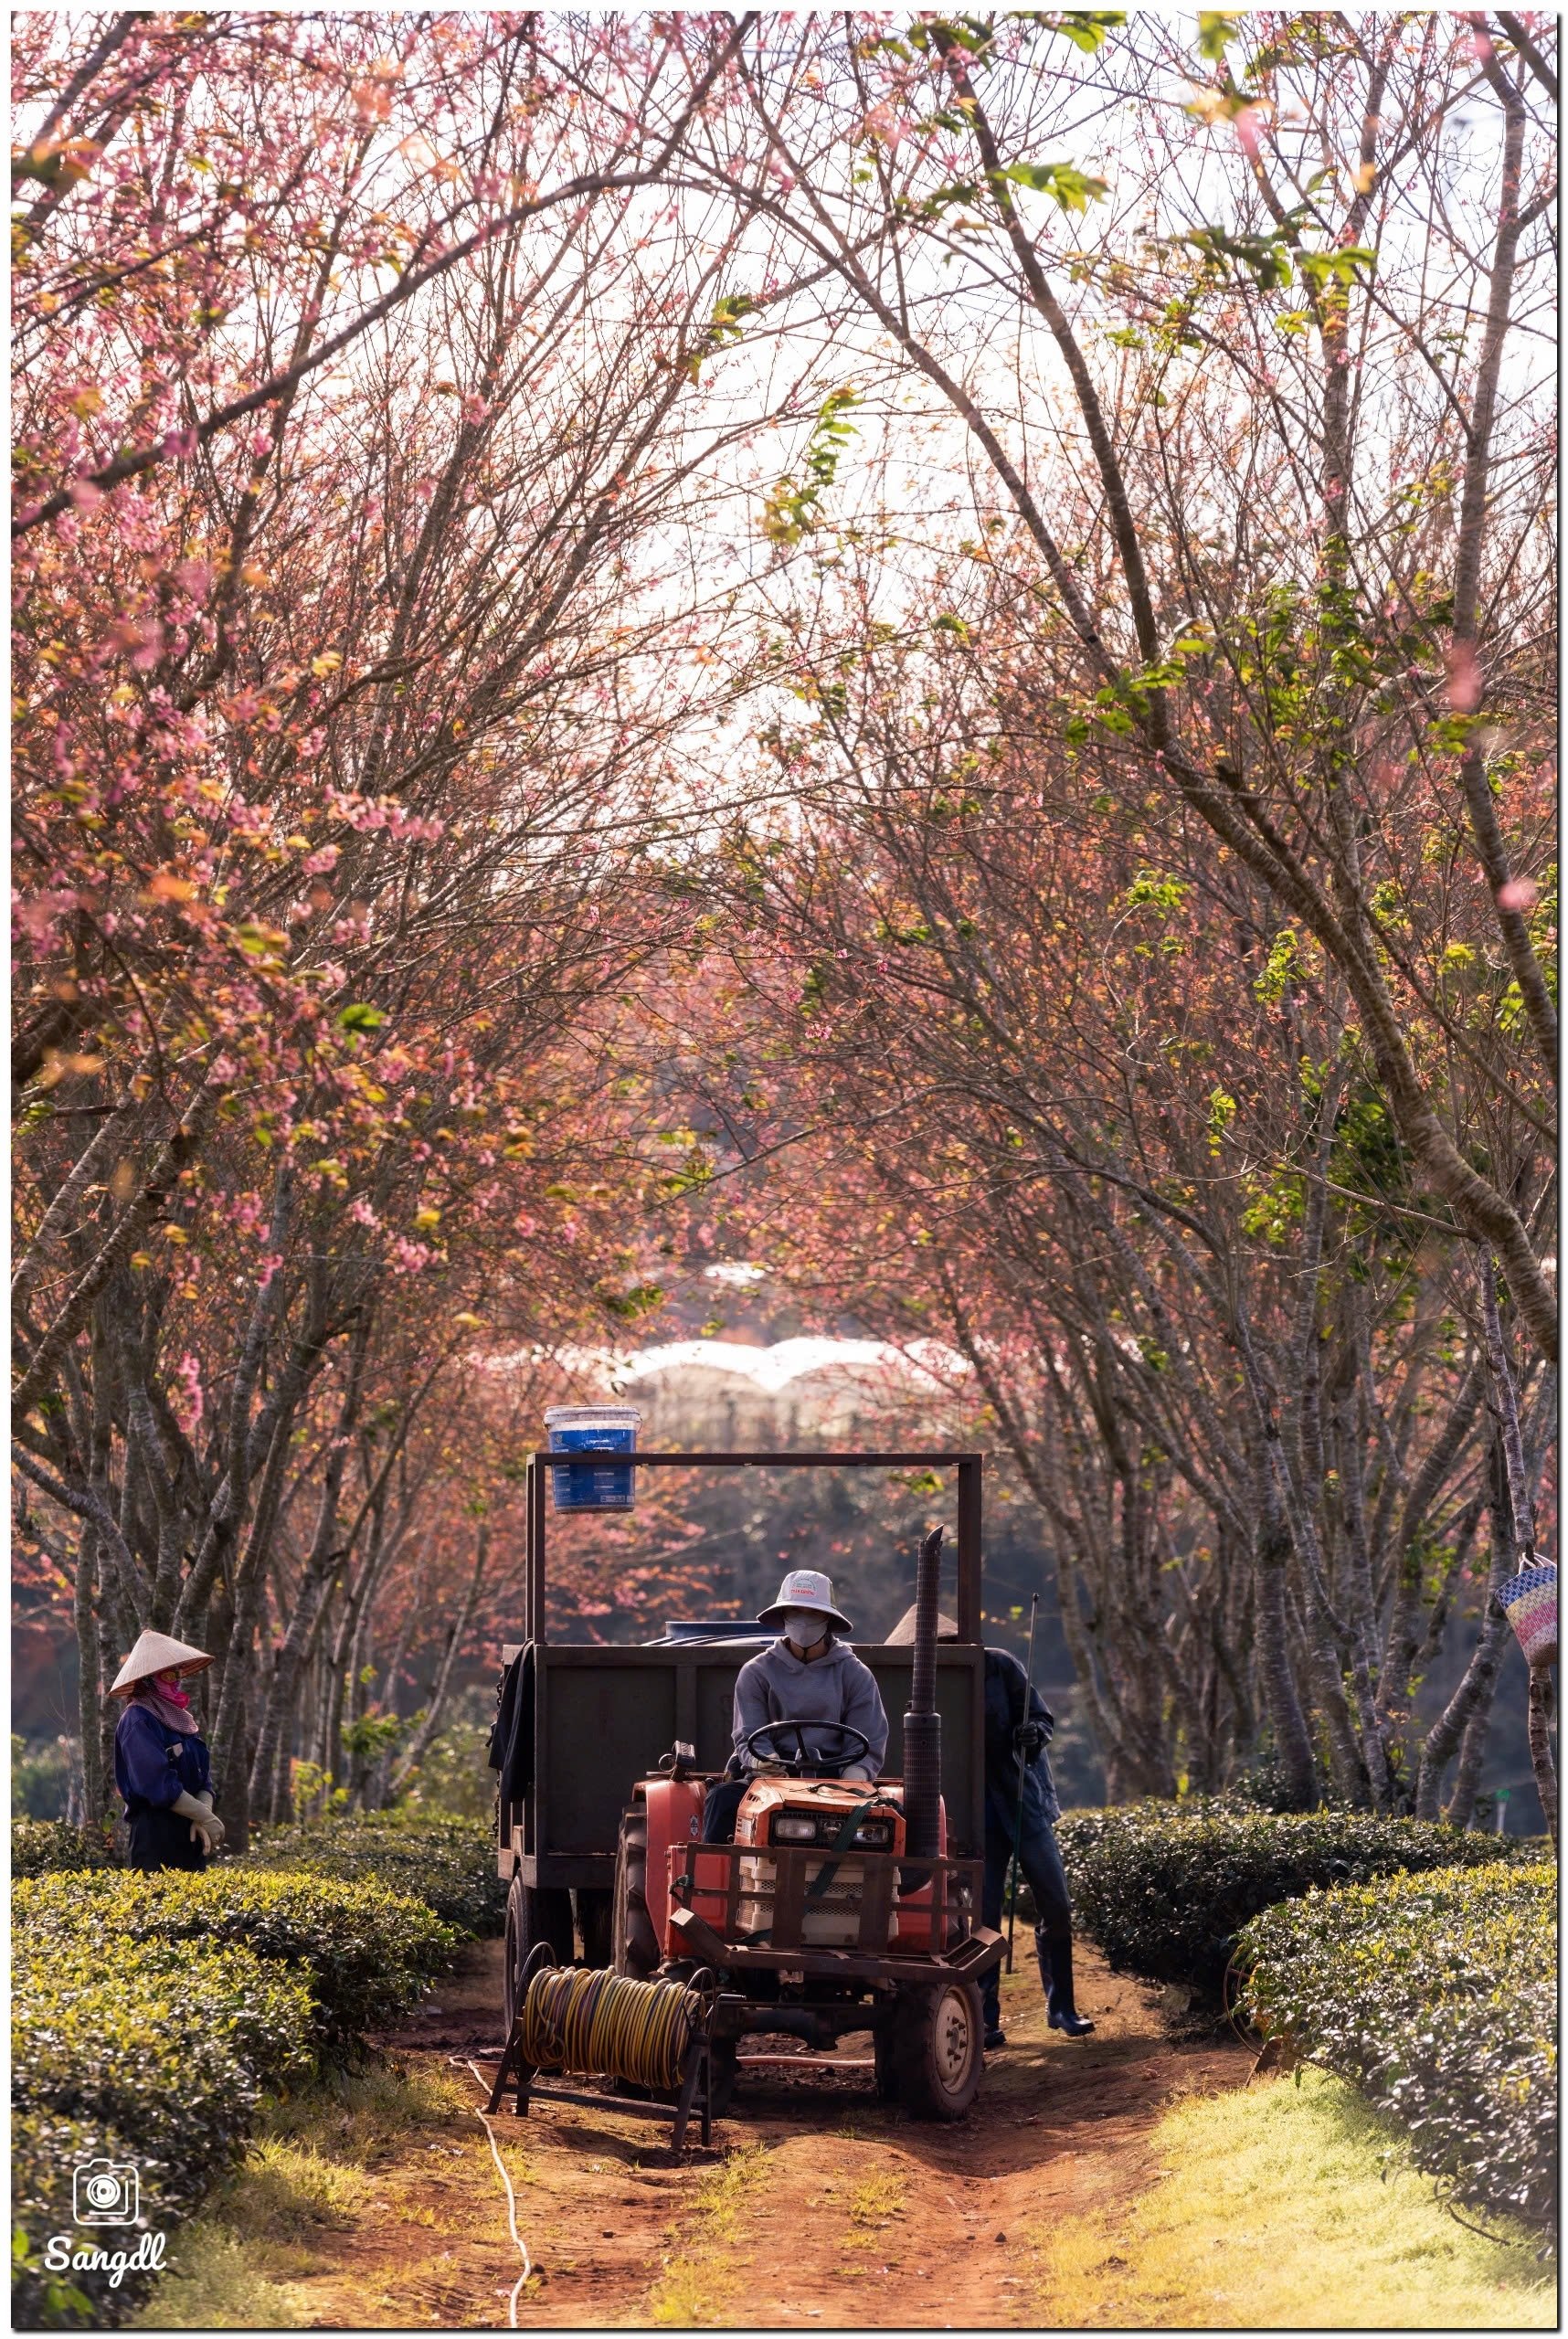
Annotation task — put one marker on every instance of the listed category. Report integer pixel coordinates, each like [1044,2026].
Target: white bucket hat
[156,1652]
[804,1588]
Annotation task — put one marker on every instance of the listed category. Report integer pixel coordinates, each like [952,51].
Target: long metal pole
[1017,1815]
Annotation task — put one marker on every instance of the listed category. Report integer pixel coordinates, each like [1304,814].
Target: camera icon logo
[106,2193]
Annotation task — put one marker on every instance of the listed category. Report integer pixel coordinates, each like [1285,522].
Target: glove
[1030,1740]
[861,1773]
[207,1827]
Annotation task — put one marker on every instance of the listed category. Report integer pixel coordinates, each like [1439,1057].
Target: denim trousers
[1040,1865]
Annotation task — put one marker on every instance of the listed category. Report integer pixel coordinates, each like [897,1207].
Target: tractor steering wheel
[802,1765]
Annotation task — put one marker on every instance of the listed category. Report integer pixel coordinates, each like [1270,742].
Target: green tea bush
[151,2053]
[1436,1993]
[366,1953]
[51,1847]
[448,1862]
[1164,1888]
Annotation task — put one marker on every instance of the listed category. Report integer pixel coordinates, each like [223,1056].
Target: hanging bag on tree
[1529,1601]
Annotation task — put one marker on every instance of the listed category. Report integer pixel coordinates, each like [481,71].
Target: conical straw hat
[903,1633]
[156,1652]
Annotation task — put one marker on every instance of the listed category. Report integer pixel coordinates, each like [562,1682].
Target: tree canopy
[917,649]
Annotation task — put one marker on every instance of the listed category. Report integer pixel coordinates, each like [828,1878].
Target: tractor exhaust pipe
[922,1722]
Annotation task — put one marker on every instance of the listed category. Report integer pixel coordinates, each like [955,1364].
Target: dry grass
[696,2284]
[305,2175]
[217,2282]
[1287,2207]
[359,2116]
[874,2205]
[281,2188]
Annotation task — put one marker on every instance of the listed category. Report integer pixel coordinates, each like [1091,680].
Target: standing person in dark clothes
[161,1764]
[1017,1728]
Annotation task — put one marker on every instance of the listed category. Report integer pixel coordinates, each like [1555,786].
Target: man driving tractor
[807,1676]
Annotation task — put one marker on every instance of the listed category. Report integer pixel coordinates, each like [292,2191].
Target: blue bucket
[607,1486]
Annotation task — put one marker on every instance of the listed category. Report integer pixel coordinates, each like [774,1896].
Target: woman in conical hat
[161,1764]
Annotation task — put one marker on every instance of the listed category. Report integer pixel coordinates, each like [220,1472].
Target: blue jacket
[153,1765]
[1005,1685]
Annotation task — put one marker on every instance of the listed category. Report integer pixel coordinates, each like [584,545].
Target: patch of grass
[284,2189]
[216,2282]
[696,2286]
[877,2199]
[873,2206]
[359,2117]
[304,2176]
[1288,2205]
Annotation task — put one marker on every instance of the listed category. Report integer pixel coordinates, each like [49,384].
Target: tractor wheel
[533,1916]
[938,2049]
[634,1943]
[595,1924]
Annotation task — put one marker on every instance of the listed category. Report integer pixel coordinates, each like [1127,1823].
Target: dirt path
[818,2205]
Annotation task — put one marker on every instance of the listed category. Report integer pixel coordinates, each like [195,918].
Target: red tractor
[840,1906]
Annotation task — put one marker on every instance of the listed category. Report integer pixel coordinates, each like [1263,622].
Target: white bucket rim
[613,1416]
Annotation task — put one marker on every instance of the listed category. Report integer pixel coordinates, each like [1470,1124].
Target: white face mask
[804,1626]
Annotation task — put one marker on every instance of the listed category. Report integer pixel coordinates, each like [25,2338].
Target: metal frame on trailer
[969,1468]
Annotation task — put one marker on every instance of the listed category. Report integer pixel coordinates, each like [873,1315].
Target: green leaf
[641,1300]
[964,191]
[1217,27]
[1074,189]
[1084,27]
[724,326]
[725,323]
[1151,889]
[1339,267]
[359,1017]
[1266,256]
[971,34]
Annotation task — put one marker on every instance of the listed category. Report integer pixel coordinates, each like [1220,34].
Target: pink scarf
[171,1706]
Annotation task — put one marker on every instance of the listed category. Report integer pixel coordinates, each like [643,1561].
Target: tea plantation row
[151,2014]
[1417,1961]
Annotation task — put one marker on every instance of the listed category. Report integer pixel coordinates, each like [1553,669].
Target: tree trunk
[1292,1740]
[1540,1748]
[1460,1807]
[90,1686]
[236,1788]
[418,1744]
[101,1724]
[1472,1699]
[325,1556]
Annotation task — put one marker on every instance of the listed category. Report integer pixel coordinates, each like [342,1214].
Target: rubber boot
[991,2002]
[1056,1973]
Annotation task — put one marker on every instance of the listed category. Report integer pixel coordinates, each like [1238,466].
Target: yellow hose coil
[577,2018]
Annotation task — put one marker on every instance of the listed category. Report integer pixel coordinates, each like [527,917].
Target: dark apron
[162,1838]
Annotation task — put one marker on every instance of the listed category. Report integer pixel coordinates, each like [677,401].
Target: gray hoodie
[779,1686]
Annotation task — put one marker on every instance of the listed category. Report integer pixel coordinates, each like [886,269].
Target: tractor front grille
[776,1895]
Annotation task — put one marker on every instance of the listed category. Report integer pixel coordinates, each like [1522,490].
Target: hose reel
[588,2021]
[610,2026]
